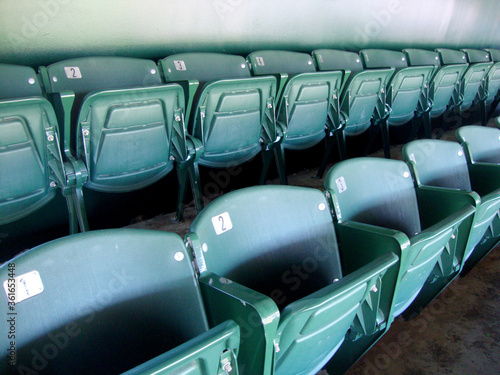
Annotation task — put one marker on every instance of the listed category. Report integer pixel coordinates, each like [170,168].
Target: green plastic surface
[381,192]
[18,81]
[109,301]
[122,122]
[229,119]
[443,164]
[472,83]
[363,94]
[309,100]
[443,83]
[248,250]
[25,175]
[31,161]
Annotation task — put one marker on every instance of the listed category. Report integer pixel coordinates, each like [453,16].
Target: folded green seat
[122,122]
[443,166]
[482,150]
[489,91]
[32,168]
[268,258]
[472,85]
[493,83]
[233,114]
[438,94]
[403,96]
[111,301]
[428,228]
[362,97]
[308,103]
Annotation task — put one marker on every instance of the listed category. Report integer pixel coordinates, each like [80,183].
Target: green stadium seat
[123,123]
[31,165]
[439,92]
[493,81]
[472,88]
[361,98]
[379,194]
[268,256]
[232,112]
[443,165]
[308,106]
[111,301]
[491,86]
[405,92]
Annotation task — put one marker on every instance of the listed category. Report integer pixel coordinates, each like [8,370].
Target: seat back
[102,302]
[231,111]
[375,191]
[438,163]
[27,122]
[381,193]
[443,83]
[472,79]
[308,100]
[482,143]
[280,241]
[362,92]
[263,246]
[124,119]
[492,83]
[405,87]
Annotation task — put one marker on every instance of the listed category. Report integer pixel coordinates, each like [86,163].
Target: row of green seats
[270,279]
[125,122]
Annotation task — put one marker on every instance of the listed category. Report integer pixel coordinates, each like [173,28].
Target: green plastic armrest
[485,177]
[437,203]
[256,314]
[202,352]
[363,243]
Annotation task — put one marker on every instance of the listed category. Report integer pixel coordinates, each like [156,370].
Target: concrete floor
[458,333]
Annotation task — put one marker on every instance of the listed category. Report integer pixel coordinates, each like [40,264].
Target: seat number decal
[24,286]
[341,185]
[260,61]
[222,223]
[73,72]
[180,65]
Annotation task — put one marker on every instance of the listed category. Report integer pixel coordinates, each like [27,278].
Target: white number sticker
[72,72]
[341,185]
[180,65]
[222,223]
[260,61]
[26,286]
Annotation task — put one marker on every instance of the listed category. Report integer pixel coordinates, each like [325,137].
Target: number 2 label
[222,223]
[72,72]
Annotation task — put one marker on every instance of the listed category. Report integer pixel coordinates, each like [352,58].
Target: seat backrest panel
[266,252]
[18,81]
[476,56]
[494,54]
[329,59]
[379,58]
[419,57]
[375,191]
[88,74]
[113,299]
[203,67]
[274,62]
[450,56]
[439,163]
[483,143]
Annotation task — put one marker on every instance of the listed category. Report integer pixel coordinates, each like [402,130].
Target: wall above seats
[44,31]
